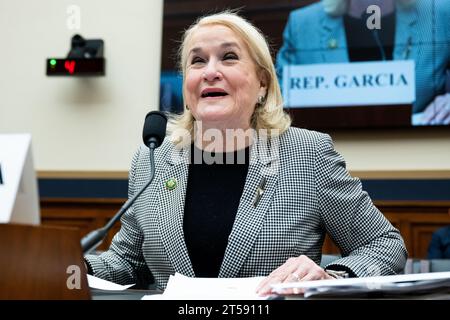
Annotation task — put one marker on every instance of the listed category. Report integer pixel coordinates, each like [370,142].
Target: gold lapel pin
[171,184]
[259,191]
[332,44]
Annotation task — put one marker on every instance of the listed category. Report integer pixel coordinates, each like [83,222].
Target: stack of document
[398,285]
[181,287]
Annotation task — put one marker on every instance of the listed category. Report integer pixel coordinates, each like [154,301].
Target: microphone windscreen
[154,127]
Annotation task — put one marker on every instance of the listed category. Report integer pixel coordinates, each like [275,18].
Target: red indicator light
[69,66]
[76,67]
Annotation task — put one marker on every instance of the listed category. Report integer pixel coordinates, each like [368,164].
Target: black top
[214,188]
[368,45]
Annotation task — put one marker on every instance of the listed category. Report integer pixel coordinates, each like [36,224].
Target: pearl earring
[261,100]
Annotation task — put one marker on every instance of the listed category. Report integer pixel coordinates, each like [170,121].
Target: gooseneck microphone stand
[94,238]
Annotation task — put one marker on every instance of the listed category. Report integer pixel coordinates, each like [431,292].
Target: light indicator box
[76,67]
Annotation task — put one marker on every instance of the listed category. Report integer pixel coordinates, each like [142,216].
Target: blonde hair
[270,114]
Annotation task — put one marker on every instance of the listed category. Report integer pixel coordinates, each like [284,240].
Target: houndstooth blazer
[306,192]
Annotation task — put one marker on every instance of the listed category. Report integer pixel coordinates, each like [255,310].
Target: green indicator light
[53,62]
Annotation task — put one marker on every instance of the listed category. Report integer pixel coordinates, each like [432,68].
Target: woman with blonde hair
[265,216]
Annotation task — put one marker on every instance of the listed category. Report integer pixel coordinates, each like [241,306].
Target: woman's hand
[294,269]
[438,111]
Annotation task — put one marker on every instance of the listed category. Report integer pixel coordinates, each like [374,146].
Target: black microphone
[153,136]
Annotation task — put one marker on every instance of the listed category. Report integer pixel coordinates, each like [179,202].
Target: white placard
[349,84]
[19,201]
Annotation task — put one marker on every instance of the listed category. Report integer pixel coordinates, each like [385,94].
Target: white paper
[396,284]
[154,297]
[180,287]
[97,283]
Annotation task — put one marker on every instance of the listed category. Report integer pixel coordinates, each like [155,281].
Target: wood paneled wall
[415,220]
[84,214]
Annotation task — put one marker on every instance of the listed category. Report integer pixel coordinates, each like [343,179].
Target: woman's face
[221,83]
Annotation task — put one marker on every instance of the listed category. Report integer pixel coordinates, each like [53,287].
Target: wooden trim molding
[74,201]
[417,204]
[49,174]
[401,174]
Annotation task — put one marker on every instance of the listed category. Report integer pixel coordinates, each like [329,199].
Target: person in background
[439,247]
[333,31]
[264,214]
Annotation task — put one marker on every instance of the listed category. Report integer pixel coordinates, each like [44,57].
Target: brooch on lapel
[171,184]
[259,191]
